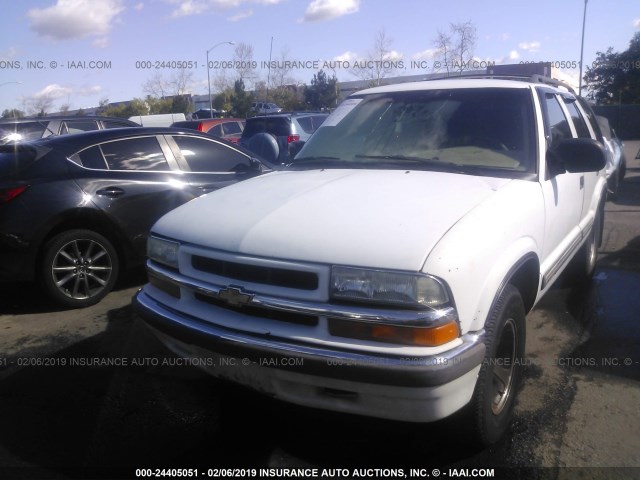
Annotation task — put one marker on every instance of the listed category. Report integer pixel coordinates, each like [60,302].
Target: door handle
[111,192]
[581,182]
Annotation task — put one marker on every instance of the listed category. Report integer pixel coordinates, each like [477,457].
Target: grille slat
[256,274]
[260,312]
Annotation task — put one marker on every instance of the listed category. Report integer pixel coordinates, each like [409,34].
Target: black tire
[79,267]
[493,400]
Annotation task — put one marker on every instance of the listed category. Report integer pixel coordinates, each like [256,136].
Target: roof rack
[535,78]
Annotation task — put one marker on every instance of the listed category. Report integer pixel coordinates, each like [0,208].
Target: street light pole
[584,20]
[209,78]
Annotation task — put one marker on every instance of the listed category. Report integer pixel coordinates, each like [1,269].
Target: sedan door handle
[111,192]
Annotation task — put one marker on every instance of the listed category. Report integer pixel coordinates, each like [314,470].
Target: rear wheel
[79,268]
[500,374]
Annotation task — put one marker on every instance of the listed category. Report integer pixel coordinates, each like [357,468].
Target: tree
[323,91]
[455,49]
[169,95]
[243,59]
[615,77]
[40,105]
[13,113]
[240,100]
[379,62]
[135,107]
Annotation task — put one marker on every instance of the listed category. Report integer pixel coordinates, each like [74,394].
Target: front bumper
[420,389]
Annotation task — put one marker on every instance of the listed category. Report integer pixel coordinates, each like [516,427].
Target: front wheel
[501,371]
[79,268]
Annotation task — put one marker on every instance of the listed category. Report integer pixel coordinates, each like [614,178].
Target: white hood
[371,218]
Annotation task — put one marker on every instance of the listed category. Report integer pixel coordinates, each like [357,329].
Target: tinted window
[77,126]
[135,154]
[28,130]
[556,121]
[581,127]
[231,128]
[91,158]
[306,124]
[115,124]
[204,155]
[216,130]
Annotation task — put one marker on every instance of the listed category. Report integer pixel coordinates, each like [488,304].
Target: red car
[228,128]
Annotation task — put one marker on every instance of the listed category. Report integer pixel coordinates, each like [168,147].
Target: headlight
[408,290]
[163,251]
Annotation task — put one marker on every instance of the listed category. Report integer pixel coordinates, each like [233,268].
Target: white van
[158,120]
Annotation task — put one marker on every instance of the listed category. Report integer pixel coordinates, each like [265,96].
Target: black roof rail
[536,78]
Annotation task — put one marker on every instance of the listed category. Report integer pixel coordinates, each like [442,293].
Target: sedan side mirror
[577,155]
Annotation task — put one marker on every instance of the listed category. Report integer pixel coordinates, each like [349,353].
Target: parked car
[616,161]
[207,113]
[76,210]
[158,119]
[387,270]
[32,128]
[265,107]
[271,136]
[228,128]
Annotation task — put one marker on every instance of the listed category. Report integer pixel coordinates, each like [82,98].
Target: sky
[82,52]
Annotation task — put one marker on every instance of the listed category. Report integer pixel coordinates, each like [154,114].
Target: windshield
[480,131]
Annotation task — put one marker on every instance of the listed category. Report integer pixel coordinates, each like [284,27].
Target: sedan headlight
[163,251]
[408,290]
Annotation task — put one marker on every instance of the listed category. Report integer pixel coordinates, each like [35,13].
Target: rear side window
[91,158]
[306,124]
[78,126]
[143,153]
[215,130]
[115,124]
[576,117]
[27,130]
[231,128]
[204,155]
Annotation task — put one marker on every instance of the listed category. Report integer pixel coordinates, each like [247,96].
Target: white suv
[387,270]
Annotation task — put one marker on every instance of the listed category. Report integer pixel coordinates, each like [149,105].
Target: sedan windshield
[478,131]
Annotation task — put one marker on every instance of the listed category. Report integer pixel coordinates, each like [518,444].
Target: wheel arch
[87,219]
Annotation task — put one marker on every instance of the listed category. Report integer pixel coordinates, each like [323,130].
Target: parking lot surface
[91,393]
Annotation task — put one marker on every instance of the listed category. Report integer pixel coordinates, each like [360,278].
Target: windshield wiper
[432,162]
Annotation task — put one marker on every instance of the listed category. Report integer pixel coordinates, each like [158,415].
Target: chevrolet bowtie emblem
[235,296]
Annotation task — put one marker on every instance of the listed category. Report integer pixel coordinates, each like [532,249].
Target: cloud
[139,6]
[320,10]
[102,42]
[346,57]
[530,46]
[9,54]
[241,16]
[636,23]
[196,7]
[427,54]
[69,19]
[55,91]
[514,55]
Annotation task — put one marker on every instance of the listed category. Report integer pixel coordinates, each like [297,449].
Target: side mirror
[577,155]
[295,147]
